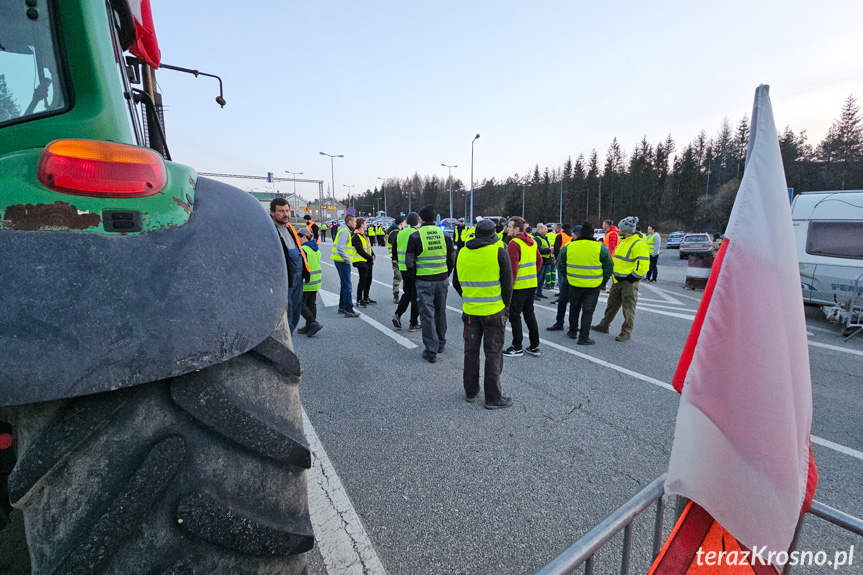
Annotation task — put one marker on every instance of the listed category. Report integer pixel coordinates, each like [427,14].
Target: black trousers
[562,301]
[582,300]
[409,298]
[654,264]
[522,303]
[486,331]
[310,306]
[365,283]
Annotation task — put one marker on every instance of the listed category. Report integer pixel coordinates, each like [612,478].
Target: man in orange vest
[313,227]
[298,267]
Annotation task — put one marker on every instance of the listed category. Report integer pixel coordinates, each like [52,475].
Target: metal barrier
[582,552]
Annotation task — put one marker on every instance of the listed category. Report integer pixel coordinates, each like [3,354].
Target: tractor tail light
[104,169]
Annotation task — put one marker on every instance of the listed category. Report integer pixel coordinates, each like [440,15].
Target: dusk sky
[401,87]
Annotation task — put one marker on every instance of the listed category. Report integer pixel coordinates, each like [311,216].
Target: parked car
[696,244]
[828,229]
[599,234]
[674,239]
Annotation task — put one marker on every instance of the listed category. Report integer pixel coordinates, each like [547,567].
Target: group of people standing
[498,272]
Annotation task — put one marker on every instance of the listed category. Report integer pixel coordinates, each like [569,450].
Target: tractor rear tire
[199,474]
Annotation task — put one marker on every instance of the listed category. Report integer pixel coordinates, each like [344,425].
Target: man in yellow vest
[343,254]
[653,243]
[392,240]
[585,264]
[458,234]
[631,262]
[483,278]
[430,257]
[541,238]
[409,290]
[312,284]
[526,261]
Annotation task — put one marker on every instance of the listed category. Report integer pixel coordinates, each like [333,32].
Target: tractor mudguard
[87,313]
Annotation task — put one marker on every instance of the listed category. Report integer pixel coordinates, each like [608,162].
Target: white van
[828,228]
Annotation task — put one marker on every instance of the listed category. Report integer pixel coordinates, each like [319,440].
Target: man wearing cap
[431,257]
[631,263]
[312,284]
[298,267]
[458,234]
[483,278]
[312,227]
[392,240]
[585,263]
[409,291]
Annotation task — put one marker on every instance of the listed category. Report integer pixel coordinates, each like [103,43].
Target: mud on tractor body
[150,419]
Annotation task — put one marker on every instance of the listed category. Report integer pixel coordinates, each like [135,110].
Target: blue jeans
[345,289]
[295,293]
[541,279]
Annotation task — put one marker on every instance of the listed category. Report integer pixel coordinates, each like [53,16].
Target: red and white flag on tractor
[741,444]
[145,47]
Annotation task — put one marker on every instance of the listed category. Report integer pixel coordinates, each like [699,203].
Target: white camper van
[828,228]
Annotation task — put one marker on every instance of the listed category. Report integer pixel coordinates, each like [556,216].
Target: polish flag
[145,47]
[741,444]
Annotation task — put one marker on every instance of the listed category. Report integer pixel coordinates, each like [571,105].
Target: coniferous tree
[842,148]
[9,109]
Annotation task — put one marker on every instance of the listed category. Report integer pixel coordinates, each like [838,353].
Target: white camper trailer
[828,228]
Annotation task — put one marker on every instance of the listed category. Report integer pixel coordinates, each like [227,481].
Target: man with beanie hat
[631,263]
[392,238]
[409,291]
[483,278]
[585,264]
[430,257]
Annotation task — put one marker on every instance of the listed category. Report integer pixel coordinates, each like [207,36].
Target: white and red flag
[145,47]
[741,444]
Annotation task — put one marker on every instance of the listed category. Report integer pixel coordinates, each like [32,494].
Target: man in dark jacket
[362,244]
[430,257]
[478,280]
[585,265]
[526,261]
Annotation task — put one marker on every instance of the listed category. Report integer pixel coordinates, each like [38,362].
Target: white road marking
[683,295]
[661,293]
[835,348]
[646,378]
[401,340]
[341,537]
[328,298]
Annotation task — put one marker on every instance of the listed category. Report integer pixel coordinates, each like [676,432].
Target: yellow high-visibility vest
[583,268]
[631,257]
[525,277]
[479,276]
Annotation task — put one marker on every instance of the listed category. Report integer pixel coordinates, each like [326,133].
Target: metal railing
[582,552]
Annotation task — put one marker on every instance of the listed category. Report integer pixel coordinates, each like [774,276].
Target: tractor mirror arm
[220,99]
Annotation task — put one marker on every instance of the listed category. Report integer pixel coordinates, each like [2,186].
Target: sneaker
[415,327]
[587,341]
[351,314]
[537,298]
[534,351]
[396,298]
[303,330]
[440,349]
[313,329]
[541,296]
[371,301]
[623,337]
[501,403]
[572,334]
[361,303]
[513,352]
[429,356]
[397,321]
[555,327]
[341,310]
[471,398]
[599,328]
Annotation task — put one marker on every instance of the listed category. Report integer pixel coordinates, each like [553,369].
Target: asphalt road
[443,486]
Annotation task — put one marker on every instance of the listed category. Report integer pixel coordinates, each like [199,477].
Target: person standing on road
[343,254]
[654,241]
[312,285]
[525,260]
[545,251]
[409,290]
[280,212]
[363,262]
[585,263]
[483,278]
[312,227]
[610,240]
[631,262]
[458,234]
[392,240]
[431,256]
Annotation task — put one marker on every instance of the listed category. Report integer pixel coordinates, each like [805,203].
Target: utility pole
[449,177]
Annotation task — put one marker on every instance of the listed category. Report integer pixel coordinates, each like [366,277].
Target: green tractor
[150,419]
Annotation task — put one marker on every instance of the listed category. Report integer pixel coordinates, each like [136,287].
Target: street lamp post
[471,175]
[385,193]
[449,177]
[294,174]
[560,216]
[523,186]
[333,177]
